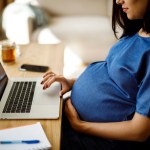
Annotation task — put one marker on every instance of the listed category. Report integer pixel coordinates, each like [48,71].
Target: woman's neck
[143,33]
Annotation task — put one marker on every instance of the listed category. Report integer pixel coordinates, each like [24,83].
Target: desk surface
[51,55]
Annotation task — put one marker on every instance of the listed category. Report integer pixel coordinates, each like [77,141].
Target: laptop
[24,98]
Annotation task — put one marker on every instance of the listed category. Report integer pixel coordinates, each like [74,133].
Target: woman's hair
[129,27]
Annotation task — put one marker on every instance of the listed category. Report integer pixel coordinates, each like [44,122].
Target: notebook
[24,98]
[28,132]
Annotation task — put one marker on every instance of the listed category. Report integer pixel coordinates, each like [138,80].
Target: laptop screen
[3,80]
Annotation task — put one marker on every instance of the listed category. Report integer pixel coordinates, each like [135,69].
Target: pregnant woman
[109,107]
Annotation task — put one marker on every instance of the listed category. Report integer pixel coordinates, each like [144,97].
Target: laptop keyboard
[20,98]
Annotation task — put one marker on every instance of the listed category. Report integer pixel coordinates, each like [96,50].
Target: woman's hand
[72,115]
[137,129]
[51,77]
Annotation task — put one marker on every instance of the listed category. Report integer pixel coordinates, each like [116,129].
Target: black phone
[35,68]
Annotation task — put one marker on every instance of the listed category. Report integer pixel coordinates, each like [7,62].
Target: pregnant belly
[93,97]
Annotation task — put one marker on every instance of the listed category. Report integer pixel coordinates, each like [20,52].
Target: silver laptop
[24,98]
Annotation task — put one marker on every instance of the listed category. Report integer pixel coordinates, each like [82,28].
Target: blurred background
[3,4]
[84,26]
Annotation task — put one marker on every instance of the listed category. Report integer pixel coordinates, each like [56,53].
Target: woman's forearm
[133,130]
[115,131]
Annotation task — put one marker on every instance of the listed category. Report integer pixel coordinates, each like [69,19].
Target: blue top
[115,89]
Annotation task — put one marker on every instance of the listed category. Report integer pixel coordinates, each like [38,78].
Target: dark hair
[129,27]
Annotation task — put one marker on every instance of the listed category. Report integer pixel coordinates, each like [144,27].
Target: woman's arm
[137,129]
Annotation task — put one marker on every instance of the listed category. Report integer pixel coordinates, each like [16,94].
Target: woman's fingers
[48,73]
[70,106]
[66,106]
[49,81]
[51,77]
[70,110]
[47,77]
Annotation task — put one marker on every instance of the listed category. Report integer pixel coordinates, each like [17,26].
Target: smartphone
[35,68]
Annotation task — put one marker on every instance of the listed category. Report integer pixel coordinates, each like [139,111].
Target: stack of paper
[28,132]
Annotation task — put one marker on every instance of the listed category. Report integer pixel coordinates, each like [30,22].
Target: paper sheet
[28,132]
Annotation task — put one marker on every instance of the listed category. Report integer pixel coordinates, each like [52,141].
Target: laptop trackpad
[48,96]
